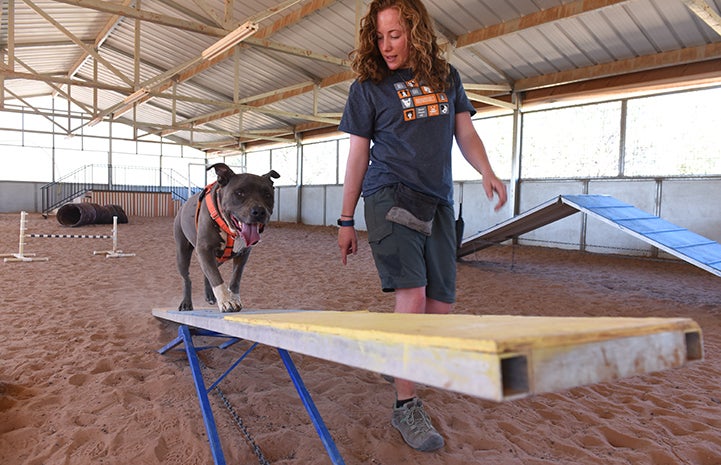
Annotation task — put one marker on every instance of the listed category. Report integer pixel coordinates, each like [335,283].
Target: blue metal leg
[210,428]
[171,344]
[315,417]
[185,337]
[232,367]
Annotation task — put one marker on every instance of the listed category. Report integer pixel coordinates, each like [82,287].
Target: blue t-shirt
[411,127]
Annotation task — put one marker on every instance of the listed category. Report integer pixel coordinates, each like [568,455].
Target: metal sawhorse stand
[185,336]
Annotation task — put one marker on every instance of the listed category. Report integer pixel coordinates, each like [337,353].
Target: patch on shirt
[420,101]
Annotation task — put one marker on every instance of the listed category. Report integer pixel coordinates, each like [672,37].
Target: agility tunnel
[79,214]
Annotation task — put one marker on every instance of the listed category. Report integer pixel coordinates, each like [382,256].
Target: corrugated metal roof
[292,75]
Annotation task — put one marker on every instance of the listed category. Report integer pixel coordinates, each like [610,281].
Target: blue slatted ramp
[675,240]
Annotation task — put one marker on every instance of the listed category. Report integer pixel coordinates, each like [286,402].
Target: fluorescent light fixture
[244,31]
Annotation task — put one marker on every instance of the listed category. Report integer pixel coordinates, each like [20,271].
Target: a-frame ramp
[675,240]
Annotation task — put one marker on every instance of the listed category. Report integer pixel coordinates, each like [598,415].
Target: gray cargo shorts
[408,259]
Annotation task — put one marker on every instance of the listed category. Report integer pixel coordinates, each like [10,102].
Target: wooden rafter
[57,88]
[193,67]
[7,73]
[702,9]
[549,15]
[37,111]
[78,42]
[156,18]
[216,19]
[100,38]
[631,65]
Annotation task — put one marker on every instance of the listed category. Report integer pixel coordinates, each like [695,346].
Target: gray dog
[222,223]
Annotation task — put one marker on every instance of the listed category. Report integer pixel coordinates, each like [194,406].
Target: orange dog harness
[210,203]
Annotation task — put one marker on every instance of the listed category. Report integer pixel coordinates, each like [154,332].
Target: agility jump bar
[22,256]
[71,236]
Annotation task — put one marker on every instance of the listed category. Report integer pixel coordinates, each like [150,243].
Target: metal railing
[115,178]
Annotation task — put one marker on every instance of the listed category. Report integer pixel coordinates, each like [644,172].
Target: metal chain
[239,422]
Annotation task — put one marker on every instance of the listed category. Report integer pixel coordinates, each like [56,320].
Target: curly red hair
[429,66]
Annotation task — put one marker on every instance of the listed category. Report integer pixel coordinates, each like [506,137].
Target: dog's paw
[210,298]
[227,301]
[185,306]
[230,306]
[233,304]
[232,310]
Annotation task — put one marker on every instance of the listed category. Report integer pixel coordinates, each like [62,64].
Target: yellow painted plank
[494,357]
[483,333]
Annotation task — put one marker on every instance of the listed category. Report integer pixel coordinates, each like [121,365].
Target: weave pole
[21,256]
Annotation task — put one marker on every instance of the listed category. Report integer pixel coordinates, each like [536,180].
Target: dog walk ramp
[495,357]
[675,240]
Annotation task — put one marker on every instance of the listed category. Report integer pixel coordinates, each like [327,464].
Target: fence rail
[104,177]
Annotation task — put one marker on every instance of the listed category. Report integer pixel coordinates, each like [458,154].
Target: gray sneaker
[415,426]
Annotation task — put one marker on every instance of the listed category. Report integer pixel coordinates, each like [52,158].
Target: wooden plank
[488,356]
[541,215]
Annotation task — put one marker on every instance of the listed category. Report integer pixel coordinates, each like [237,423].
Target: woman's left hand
[492,184]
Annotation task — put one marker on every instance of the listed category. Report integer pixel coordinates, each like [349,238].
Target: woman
[410,102]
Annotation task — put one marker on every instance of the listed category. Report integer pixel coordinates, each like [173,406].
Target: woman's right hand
[347,241]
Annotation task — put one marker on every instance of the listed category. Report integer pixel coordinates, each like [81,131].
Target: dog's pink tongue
[250,233]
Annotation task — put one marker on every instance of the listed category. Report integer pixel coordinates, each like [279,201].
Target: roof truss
[165,91]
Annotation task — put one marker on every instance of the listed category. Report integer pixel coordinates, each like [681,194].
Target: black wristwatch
[342,222]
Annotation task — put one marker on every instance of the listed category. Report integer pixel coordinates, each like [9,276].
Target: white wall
[689,203]
[17,196]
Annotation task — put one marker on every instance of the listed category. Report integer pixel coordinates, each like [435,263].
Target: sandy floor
[81,381]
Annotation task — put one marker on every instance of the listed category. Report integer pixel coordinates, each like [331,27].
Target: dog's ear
[271,174]
[223,172]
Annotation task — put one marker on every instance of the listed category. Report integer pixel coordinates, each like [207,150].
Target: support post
[310,407]
[216,449]
[185,335]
